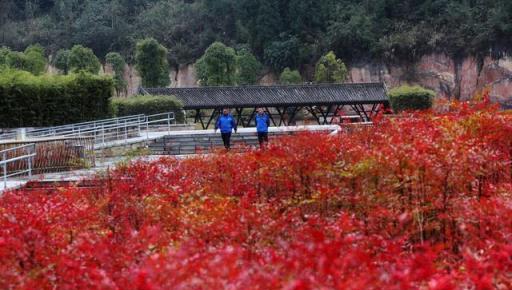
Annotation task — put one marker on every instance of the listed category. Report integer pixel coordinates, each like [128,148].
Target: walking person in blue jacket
[226,123]
[262,124]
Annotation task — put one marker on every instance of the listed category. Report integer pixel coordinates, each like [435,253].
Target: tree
[117,62]
[180,25]
[61,60]
[307,16]
[248,68]
[4,52]
[351,32]
[31,60]
[82,58]
[329,69]
[16,60]
[290,77]
[217,66]
[101,26]
[283,53]
[151,63]
[263,20]
[395,30]
[35,60]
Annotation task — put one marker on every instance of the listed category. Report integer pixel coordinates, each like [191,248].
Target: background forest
[280,33]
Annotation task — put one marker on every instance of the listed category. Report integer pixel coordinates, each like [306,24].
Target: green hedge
[147,105]
[34,101]
[410,98]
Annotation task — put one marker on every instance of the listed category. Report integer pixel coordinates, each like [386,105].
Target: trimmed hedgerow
[410,98]
[34,101]
[147,105]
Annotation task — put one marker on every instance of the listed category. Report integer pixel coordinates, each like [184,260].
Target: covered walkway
[283,103]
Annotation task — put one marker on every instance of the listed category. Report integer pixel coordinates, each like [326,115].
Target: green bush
[290,77]
[330,69]
[32,60]
[410,98]
[151,63]
[35,101]
[83,59]
[147,105]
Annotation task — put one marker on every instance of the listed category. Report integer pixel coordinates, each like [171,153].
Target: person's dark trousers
[262,137]
[226,138]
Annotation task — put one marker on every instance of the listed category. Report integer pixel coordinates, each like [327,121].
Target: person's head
[261,111]
[225,111]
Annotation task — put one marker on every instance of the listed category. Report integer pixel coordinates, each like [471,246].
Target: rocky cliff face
[450,78]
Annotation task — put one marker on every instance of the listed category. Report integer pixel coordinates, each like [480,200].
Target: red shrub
[422,202]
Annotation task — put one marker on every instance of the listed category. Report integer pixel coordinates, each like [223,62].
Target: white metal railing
[83,127]
[108,130]
[29,152]
[8,135]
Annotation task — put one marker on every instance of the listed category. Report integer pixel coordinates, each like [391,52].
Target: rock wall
[450,78]
[183,77]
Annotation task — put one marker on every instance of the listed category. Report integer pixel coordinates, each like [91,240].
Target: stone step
[207,142]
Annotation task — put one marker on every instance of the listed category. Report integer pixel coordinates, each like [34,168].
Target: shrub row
[34,101]
[410,98]
[147,105]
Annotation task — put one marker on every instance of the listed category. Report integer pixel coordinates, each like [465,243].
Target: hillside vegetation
[280,33]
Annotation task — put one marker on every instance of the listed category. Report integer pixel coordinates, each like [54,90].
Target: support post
[335,114]
[312,111]
[30,162]
[169,123]
[211,118]
[374,110]
[324,114]
[200,118]
[239,113]
[291,120]
[354,107]
[281,116]
[270,116]
[4,159]
[250,118]
[364,113]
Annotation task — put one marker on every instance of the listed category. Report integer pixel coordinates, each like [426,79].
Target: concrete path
[78,175]
[75,175]
[154,135]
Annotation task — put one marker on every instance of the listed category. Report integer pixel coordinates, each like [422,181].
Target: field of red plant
[418,202]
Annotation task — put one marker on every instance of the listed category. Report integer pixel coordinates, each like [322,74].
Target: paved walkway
[75,175]
[146,136]
[154,135]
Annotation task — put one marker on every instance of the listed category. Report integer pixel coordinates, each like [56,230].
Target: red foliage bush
[421,202]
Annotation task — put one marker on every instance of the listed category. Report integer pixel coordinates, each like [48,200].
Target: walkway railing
[83,127]
[12,155]
[108,130]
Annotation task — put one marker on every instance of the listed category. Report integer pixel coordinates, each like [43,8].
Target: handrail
[10,135]
[108,130]
[88,123]
[31,153]
[15,148]
[80,131]
[52,131]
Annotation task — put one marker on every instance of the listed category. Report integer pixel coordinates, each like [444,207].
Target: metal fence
[104,131]
[13,157]
[52,154]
